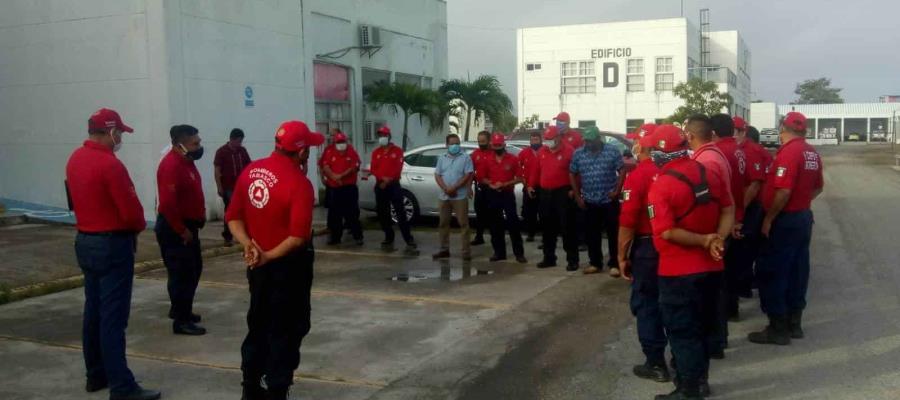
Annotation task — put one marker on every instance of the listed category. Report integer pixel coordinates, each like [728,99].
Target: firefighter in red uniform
[638,259]
[340,165]
[551,174]
[793,181]
[530,204]
[501,174]
[271,216]
[570,136]
[108,216]
[480,156]
[182,213]
[387,165]
[742,253]
[691,214]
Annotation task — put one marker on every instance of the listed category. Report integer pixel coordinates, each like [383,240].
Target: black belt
[108,234]
[643,237]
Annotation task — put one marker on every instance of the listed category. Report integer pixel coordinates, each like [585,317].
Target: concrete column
[868,130]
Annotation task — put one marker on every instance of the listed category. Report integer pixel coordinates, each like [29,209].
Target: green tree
[506,123]
[700,97]
[475,99]
[817,91]
[528,123]
[409,99]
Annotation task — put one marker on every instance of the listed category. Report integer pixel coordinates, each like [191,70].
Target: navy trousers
[645,300]
[600,218]
[107,262]
[502,209]
[392,196]
[558,218]
[783,267]
[184,264]
[688,304]
[343,211]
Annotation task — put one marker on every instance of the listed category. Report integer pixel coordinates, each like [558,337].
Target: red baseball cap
[551,132]
[563,116]
[340,137]
[668,138]
[795,121]
[294,136]
[740,124]
[105,118]
[497,139]
[384,131]
[641,131]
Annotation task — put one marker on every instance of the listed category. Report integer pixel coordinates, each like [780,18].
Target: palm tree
[477,98]
[409,98]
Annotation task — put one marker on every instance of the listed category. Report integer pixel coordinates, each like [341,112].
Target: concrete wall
[728,49]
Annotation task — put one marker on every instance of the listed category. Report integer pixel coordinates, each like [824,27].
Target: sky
[856,43]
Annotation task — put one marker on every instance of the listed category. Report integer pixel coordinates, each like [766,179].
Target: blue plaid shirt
[599,172]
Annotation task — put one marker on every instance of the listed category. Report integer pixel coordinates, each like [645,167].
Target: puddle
[443,274]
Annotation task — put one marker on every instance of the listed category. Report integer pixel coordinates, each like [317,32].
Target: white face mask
[116,145]
[384,140]
[341,146]
[550,143]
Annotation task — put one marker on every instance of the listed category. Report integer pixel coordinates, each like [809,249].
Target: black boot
[776,333]
[277,394]
[681,393]
[796,327]
[652,371]
[252,392]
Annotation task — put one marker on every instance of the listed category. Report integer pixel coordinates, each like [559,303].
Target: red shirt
[503,170]
[715,161]
[670,198]
[102,193]
[737,161]
[231,161]
[756,164]
[339,162]
[180,191]
[797,167]
[634,198]
[275,200]
[552,170]
[527,162]
[387,162]
[573,138]
[479,157]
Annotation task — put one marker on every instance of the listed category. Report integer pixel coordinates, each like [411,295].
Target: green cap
[590,133]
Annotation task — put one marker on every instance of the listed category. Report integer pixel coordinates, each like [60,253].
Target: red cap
[497,139]
[795,121]
[641,131]
[105,118]
[740,124]
[294,136]
[384,131]
[668,138]
[563,116]
[551,132]
[340,137]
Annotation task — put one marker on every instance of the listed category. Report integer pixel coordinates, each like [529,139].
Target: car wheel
[410,206]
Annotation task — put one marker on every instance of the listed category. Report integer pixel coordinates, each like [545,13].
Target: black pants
[226,233]
[600,218]
[343,211]
[482,215]
[503,217]
[184,265]
[530,211]
[742,255]
[645,300]
[558,218]
[278,319]
[783,268]
[392,195]
[688,305]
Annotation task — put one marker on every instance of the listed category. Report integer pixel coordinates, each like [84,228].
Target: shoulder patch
[780,171]
[626,195]
[650,212]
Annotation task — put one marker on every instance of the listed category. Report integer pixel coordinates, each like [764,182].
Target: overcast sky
[855,43]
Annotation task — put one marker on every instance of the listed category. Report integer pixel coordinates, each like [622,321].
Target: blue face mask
[454,149]
[560,125]
[536,146]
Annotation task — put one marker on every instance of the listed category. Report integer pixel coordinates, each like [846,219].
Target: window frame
[578,77]
[666,84]
[631,78]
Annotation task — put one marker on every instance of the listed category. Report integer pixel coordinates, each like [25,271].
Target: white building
[619,75]
[848,122]
[212,64]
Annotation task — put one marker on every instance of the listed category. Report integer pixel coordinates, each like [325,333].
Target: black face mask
[194,154]
[499,152]
[536,146]
[483,146]
[595,146]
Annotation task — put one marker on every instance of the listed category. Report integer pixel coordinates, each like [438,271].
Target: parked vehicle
[769,138]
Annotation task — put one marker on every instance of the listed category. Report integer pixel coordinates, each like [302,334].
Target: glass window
[586,123]
[529,67]
[636,66]
[427,158]
[330,115]
[427,82]
[586,68]
[408,79]
[635,78]
[578,77]
[665,78]
[632,124]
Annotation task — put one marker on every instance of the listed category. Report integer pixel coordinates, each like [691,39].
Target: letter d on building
[610,75]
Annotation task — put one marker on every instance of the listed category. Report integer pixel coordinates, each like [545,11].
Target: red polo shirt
[737,162]
[180,191]
[756,168]
[103,196]
[715,162]
[479,157]
[527,163]
[637,184]
[552,170]
[275,200]
[503,170]
[573,138]
[339,162]
[797,167]
[387,162]
[231,160]
[670,198]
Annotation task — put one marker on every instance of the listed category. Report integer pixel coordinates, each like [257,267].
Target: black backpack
[701,191]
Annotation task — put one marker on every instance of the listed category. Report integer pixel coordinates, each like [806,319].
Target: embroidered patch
[780,171]
[650,211]
[626,195]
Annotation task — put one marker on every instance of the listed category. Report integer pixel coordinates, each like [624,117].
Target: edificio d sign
[611,69]
[617,52]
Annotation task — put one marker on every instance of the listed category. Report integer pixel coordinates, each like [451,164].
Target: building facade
[848,122]
[619,75]
[215,65]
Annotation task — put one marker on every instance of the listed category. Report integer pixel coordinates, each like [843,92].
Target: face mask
[482,146]
[499,151]
[550,143]
[690,153]
[536,146]
[594,146]
[454,149]
[560,125]
[116,145]
[341,146]
[193,155]
[383,141]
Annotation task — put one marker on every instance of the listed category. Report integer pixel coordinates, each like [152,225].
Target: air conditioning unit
[369,36]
